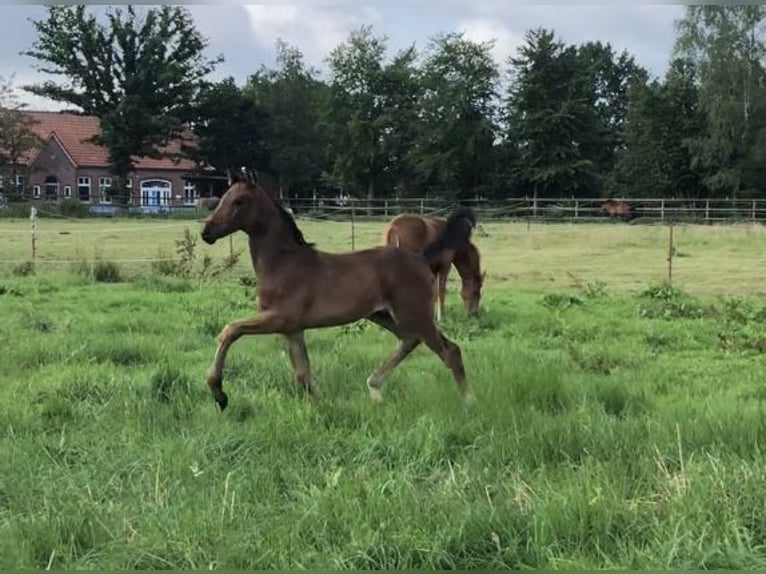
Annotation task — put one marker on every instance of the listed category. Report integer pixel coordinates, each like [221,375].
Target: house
[68,166]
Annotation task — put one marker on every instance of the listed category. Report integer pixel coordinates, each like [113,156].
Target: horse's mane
[268,187]
[292,227]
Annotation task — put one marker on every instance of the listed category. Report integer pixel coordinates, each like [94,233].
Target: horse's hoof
[469,399]
[376,395]
[222,401]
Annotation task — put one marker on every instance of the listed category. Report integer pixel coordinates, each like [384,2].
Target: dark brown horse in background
[413,232]
[618,209]
[300,287]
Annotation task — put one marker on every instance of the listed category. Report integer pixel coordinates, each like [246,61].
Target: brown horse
[413,232]
[300,287]
[617,208]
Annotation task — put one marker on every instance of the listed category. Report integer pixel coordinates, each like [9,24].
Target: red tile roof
[74,130]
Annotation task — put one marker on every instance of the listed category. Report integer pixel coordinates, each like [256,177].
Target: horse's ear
[233,176]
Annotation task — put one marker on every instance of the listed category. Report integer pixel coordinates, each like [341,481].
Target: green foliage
[295,139]
[167,382]
[455,146]
[556,301]
[16,133]
[547,113]
[99,271]
[230,126]
[662,125]
[24,269]
[73,208]
[370,103]
[567,109]
[183,265]
[665,301]
[727,45]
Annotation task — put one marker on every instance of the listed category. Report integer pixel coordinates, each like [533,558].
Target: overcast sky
[245,35]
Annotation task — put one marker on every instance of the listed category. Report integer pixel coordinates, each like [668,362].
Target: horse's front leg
[266,323]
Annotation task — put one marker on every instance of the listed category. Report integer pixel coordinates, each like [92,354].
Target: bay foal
[299,287]
[413,232]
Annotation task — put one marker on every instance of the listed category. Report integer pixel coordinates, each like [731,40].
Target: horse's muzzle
[209,235]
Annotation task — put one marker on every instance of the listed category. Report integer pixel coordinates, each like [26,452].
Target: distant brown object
[413,232]
[617,208]
[301,288]
[209,203]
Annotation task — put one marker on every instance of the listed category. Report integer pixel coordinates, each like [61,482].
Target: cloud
[485,30]
[316,30]
[646,31]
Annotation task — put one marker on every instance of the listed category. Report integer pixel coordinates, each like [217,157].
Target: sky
[245,34]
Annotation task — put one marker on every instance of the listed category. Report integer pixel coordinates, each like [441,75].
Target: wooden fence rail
[540,209]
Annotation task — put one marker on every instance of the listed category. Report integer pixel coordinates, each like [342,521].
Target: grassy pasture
[711,260]
[618,423]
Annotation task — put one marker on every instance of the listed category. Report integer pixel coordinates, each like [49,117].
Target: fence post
[752,211]
[422,208]
[707,210]
[670,253]
[33,220]
[385,208]
[353,224]
[662,209]
[577,209]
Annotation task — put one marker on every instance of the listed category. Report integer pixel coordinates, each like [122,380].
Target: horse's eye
[237,202]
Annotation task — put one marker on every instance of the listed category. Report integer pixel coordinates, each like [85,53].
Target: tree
[17,137]
[140,75]
[292,100]
[606,79]
[548,113]
[370,103]
[455,148]
[229,126]
[726,45]
[663,121]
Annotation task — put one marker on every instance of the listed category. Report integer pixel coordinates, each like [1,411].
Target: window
[19,182]
[51,188]
[1,182]
[190,193]
[36,191]
[155,193]
[129,182]
[104,183]
[83,188]
[67,191]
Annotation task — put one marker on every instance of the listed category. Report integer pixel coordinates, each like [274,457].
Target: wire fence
[512,248]
[644,210]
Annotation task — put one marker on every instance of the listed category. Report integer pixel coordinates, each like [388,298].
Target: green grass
[617,425]
[710,260]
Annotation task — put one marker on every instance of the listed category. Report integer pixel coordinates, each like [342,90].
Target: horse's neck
[467,267]
[267,248]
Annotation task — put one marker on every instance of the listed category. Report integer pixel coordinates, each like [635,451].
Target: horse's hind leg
[449,352]
[375,380]
[405,347]
[299,358]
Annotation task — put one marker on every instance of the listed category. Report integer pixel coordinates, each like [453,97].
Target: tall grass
[603,436]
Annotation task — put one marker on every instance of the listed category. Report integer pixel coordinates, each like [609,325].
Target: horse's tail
[456,234]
